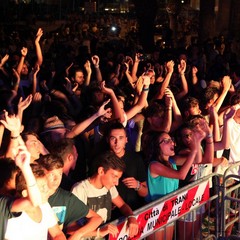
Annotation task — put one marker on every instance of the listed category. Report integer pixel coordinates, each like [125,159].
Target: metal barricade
[230,199]
[194,199]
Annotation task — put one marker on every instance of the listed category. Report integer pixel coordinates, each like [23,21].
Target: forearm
[208,155]
[98,74]
[187,164]
[184,88]
[80,127]
[134,70]
[38,53]
[20,65]
[165,84]
[88,78]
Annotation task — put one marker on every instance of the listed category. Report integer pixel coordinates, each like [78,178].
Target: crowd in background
[87,103]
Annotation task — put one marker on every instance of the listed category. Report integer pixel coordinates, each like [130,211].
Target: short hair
[154,109]
[50,162]
[108,160]
[7,169]
[112,126]
[209,93]
[62,147]
[189,102]
[21,185]
[25,135]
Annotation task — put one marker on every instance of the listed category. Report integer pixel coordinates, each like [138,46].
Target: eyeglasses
[167,141]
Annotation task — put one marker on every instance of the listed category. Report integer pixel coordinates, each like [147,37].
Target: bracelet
[96,66]
[98,233]
[138,186]
[32,185]
[168,108]
[145,89]
[131,216]
[209,135]
[209,142]
[15,137]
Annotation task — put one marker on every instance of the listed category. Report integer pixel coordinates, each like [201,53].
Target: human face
[186,134]
[54,178]
[110,178]
[118,141]
[34,147]
[79,77]
[24,69]
[43,188]
[194,110]
[166,144]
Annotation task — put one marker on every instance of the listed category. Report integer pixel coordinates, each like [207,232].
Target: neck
[95,181]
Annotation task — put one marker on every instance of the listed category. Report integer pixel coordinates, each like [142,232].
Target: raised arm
[226,83]
[181,70]
[142,101]
[88,69]
[165,83]
[135,66]
[38,47]
[118,113]
[2,63]
[24,52]
[95,61]
[80,127]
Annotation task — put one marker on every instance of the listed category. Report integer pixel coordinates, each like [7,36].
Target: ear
[24,193]
[100,171]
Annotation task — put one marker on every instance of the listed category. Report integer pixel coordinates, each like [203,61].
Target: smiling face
[166,144]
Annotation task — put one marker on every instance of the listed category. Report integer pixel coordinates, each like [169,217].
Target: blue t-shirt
[160,186]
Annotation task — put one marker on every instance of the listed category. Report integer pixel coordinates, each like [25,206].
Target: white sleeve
[79,191]
[114,192]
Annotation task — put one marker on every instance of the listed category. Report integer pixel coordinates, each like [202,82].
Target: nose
[116,182]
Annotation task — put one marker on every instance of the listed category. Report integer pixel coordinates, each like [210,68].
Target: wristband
[209,135]
[131,216]
[32,185]
[96,66]
[145,89]
[15,137]
[138,186]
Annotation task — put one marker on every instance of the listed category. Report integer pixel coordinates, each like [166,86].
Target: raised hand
[101,111]
[39,35]
[170,66]
[182,67]
[24,51]
[23,104]
[12,123]
[95,60]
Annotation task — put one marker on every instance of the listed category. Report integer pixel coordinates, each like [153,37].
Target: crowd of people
[91,132]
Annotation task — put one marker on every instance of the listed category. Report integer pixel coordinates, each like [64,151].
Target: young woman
[163,176]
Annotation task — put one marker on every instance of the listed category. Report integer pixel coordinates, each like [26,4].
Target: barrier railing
[230,208]
[170,208]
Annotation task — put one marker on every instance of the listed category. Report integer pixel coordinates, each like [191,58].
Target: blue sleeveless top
[160,186]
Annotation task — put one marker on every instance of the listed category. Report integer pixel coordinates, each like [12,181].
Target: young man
[67,207]
[10,207]
[99,191]
[132,185]
[35,222]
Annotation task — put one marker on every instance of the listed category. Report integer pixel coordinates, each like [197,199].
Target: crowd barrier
[202,198]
